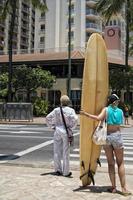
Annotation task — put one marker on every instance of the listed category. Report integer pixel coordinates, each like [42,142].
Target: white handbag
[100,134]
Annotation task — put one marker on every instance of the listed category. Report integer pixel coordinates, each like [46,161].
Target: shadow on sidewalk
[94,189]
[48,173]
[54,174]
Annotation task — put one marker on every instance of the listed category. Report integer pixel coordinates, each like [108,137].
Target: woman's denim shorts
[115,140]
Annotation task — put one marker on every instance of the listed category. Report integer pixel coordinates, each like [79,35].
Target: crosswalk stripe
[125,158]
[77,155]
[126,148]
[128,154]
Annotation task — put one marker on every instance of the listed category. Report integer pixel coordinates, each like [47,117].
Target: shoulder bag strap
[104,121]
[63,118]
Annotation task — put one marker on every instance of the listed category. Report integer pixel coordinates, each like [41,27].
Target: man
[61,143]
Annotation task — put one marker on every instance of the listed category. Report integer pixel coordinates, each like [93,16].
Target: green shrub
[40,107]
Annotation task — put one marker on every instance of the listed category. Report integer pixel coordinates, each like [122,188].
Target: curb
[46,165]
[23,123]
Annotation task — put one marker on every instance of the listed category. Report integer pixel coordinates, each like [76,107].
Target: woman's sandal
[112,190]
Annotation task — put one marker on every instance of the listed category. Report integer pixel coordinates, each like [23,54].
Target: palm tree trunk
[69,53]
[127,41]
[127,33]
[10,68]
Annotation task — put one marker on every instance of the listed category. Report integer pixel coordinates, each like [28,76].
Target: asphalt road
[33,145]
[28,144]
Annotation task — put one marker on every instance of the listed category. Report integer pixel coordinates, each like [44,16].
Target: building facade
[40,32]
[47,33]
[24,31]
[51,33]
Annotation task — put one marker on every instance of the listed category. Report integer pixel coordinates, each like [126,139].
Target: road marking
[26,136]
[22,132]
[31,149]
[11,126]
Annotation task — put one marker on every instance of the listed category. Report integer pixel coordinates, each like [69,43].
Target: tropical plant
[107,8]
[29,79]
[3,85]
[121,79]
[40,107]
[26,79]
[10,7]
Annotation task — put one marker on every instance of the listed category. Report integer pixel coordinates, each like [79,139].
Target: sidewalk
[20,182]
[42,121]
[25,183]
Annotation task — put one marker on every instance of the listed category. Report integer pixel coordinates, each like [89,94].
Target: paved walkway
[35,183]
[41,120]
[25,183]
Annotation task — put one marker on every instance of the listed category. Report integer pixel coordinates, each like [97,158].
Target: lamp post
[10,44]
[69,52]
[10,71]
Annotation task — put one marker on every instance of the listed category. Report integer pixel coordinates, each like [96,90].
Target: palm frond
[107,8]
[41,5]
[4,9]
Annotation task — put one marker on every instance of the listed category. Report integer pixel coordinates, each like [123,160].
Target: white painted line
[76,150]
[37,147]
[31,149]
[22,132]
[125,152]
[125,158]
[127,166]
[126,148]
[128,141]
[76,133]
[26,136]
[127,144]
[11,126]
[8,131]
[74,155]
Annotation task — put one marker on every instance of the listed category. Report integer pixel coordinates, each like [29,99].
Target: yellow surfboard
[94,96]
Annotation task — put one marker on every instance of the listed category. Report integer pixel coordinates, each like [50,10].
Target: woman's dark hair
[112,98]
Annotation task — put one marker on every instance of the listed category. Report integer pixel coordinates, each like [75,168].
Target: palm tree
[10,7]
[112,7]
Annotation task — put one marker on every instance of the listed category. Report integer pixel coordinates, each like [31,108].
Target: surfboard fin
[82,164]
[90,175]
[98,162]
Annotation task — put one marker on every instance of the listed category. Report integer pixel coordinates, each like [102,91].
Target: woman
[61,143]
[126,115]
[114,146]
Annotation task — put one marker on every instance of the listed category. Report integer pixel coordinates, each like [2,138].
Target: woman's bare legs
[119,154]
[111,165]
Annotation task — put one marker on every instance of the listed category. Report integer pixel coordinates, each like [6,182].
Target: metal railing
[16,111]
